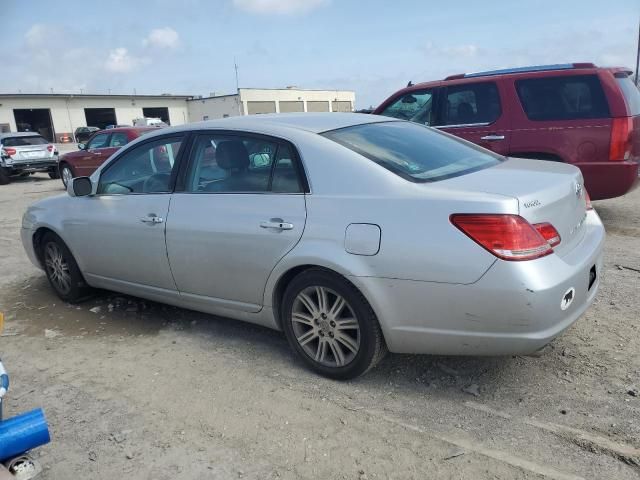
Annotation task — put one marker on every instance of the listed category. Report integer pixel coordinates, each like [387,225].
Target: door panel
[473,111]
[218,248]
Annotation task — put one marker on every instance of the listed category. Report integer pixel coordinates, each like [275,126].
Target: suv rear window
[23,141]
[563,98]
[414,152]
[630,92]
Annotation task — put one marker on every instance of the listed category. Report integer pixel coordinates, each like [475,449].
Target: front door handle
[152,219]
[277,224]
[492,138]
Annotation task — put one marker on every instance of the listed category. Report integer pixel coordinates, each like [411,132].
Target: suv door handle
[492,138]
[277,223]
[152,219]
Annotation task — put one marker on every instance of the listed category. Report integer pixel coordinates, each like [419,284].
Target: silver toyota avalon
[352,233]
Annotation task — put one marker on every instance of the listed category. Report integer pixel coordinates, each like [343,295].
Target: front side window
[241,164]
[473,103]
[118,139]
[23,141]
[146,168]
[98,141]
[412,151]
[563,98]
[416,106]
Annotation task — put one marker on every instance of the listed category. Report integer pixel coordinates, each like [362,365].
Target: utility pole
[235,65]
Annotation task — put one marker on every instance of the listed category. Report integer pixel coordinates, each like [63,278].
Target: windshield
[414,152]
[23,141]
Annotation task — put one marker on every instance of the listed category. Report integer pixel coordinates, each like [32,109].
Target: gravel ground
[134,389]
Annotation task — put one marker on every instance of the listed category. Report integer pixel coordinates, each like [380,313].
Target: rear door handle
[277,224]
[152,219]
[492,138]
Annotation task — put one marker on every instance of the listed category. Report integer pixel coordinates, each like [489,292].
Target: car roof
[19,134]
[272,122]
[127,129]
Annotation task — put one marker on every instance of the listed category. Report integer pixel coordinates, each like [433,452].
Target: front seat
[232,156]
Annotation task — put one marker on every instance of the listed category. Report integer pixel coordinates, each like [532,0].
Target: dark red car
[100,146]
[574,113]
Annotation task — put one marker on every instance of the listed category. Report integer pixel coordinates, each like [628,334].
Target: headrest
[232,155]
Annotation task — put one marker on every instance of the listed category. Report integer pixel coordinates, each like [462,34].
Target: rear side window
[23,141]
[563,98]
[416,106]
[630,92]
[474,103]
[414,152]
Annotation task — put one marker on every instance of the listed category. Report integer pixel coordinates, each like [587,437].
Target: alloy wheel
[67,176]
[325,326]
[57,268]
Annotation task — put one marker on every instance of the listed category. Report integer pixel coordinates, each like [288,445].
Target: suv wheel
[66,174]
[54,174]
[4,178]
[331,326]
[62,270]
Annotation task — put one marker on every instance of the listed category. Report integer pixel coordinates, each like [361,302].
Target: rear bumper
[515,308]
[35,166]
[609,179]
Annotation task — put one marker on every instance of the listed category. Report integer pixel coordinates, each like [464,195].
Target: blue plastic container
[21,433]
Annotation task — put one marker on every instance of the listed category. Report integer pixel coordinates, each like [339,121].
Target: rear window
[563,98]
[23,141]
[414,152]
[631,94]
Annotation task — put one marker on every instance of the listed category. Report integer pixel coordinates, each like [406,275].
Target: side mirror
[80,187]
[81,146]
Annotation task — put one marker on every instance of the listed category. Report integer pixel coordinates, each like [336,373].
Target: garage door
[341,106]
[317,106]
[291,106]
[254,108]
[35,120]
[100,117]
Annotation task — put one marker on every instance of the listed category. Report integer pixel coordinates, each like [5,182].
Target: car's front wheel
[330,324]
[66,174]
[62,270]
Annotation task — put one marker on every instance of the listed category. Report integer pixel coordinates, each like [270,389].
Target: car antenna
[410,84]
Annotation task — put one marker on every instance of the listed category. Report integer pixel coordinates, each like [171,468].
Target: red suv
[575,113]
[100,146]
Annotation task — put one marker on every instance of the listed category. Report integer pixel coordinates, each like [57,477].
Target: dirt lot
[139,390]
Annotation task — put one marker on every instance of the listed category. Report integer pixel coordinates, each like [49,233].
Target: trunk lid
[550,192]
[29,153]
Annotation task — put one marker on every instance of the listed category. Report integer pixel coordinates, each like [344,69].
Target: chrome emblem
[578,189]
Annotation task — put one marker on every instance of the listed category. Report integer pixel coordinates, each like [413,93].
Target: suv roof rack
[533,68]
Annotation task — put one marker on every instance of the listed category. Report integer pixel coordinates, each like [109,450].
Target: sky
[372,47]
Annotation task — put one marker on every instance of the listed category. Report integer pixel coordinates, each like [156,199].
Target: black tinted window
[563,98]
[99,141]
[412,151]
[416,106]
[23,141]
[471,103]
[631,93]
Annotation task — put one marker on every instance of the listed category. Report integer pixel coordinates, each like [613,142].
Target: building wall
[339,98]
[213,107]
[67,113]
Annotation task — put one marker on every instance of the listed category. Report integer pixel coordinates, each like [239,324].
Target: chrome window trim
[462,125]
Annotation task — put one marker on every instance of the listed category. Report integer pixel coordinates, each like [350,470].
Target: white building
[56,116]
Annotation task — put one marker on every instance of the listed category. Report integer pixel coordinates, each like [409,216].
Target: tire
[54,174]
[63,175]
[4,178]
[311,317]
[62,270]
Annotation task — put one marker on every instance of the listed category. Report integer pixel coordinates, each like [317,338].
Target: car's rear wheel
[4,177]
[62,270]
[330,324]
[54,174]
[66,174]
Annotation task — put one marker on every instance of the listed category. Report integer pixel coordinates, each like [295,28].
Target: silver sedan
[352,233]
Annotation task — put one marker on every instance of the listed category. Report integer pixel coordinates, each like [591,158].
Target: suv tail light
[8,151]
[549,233]
[50,148]
[509,237]
[620,148]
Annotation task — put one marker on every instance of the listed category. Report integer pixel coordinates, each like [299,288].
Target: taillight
[587,200]
[620,148]
[509,237]
[50,148]
[9,151]
[549,233]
